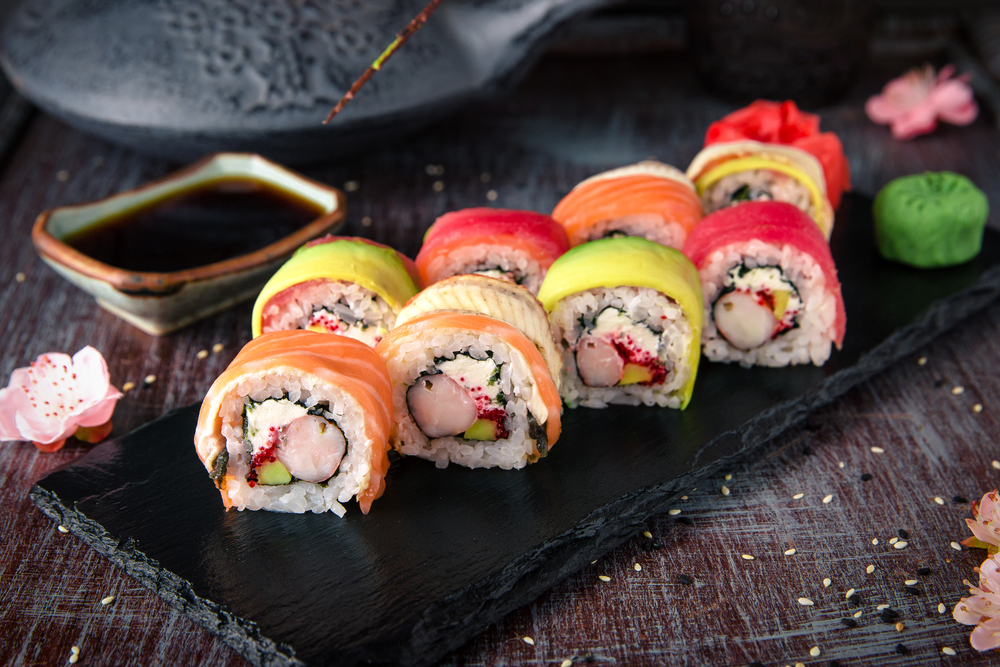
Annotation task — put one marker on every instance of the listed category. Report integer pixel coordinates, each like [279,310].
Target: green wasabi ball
[930,220]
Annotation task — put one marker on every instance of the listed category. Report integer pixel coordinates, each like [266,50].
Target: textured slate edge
[448,624]
[241,634]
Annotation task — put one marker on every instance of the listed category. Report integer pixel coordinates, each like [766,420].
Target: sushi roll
[648,199]
[627,313]
[519,246]
[343,285]
[496,298]
[770,286]
[469,389]
[739,171]
[299,422]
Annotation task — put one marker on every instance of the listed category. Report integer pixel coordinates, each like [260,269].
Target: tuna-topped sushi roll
[298,422]
[343,285]
[627,313]
[648,199]
[770,287]
[469,389]
[740,171]
[519,246]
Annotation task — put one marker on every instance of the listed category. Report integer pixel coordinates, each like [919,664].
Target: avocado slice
[635,374]
[481,429]
[781,298]
[273,473]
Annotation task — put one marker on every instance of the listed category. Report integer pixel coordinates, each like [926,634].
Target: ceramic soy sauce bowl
[161,302]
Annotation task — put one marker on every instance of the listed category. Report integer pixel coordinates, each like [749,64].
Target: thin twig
[416,24]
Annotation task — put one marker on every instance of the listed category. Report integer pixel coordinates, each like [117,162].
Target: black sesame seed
[903,535]
[808,451]
[814,427]
[924,571]
[756,664]
[656,543]
[913,590]
[902,650]
[684,579]
[834,663]
[938,384]
[849,622]
[855,599]
[588,657]
[686,520]
[960,499]
[646,545]
[890,615]
[866,477]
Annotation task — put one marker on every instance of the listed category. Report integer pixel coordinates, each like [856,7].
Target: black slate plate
[444,553]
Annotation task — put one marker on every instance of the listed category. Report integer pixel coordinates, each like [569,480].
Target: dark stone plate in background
[444,553]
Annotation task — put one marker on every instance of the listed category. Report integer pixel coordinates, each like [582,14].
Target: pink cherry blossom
[983,608]
[913,103]
[56,397]
[986,525]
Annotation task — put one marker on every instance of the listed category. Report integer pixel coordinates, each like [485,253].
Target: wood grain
[571,117]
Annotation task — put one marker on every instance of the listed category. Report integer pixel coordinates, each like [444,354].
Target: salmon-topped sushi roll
[299,422]
[519,246]
[648,199]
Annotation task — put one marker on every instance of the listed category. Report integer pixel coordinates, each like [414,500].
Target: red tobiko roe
[784,123]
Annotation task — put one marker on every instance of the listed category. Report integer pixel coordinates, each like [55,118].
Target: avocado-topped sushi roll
[299,422]
[648,199]
[519,246]
[770,287]
[469,389]
[627,313]
[343,285]
[740,171]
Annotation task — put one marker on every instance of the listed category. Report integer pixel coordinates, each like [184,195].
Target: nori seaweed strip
[219,468]
[537,433]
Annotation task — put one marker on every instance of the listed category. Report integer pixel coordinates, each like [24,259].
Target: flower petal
[967,614]
[100,412]
[986,636]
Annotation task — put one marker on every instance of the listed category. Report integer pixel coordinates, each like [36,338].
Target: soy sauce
[206,224]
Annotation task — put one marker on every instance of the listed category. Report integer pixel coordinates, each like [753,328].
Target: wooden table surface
[684,597]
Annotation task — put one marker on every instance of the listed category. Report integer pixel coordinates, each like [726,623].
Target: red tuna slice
[774,223]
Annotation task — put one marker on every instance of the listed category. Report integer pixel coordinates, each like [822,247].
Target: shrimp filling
[463,398]
[286,441]
[756,305]
[617,351]
[340,319]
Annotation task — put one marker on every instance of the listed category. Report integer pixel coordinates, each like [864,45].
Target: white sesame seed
[941,608]
[956,546]
[351,186]
[848,594]
[921,361]
[899,627]
[62,529]
[798,496]
[995,464]
[62,175]
[149,379]
[637,567]
[870,569]
[978,407]
[567,662]
[438,186]
[800,664]
[202,354]
[790,552]
[485,177]
[827,582]
[108,600]
[747,557]
[128,386]
[673,512]
[957,390]
[875,541]
[881,607]
[725,490]
[74,649]
[20,277]
[492,195]
[217,348]
[947,650]
[366,221]
[592,562]
[728,477]
[814,651]
[840,464]
[604,577]
[806,602]
[900,545]
[528,640]
[647,534]
[430,170]
[684,497]
[828,499]
[911,582]
[877,450]
[858,613]
[939,500]
[73,658]
[894,540]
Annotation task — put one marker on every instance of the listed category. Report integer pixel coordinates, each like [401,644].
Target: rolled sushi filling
[286,442]
[757,185]
[328,306]
[495,261]
[460,397]
[756,305]
[615,350]
[514,276]
[647,225]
